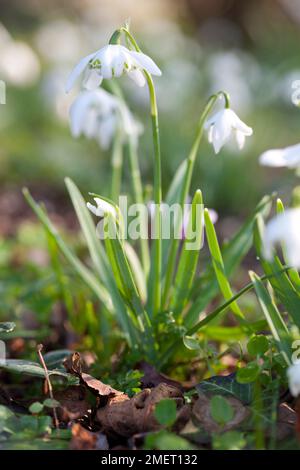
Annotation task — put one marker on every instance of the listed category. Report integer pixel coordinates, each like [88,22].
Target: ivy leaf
[227,386]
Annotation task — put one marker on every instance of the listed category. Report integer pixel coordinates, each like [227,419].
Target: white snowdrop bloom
[284,228]
[100,115]
[286,157]
[111,61]
[102,208]
[293,374]
[225,124]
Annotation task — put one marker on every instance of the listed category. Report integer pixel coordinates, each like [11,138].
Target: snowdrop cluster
[288,157]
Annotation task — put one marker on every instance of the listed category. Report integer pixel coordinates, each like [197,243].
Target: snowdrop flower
[293,374]
[99,114]
[223,125]
[286,157]
[284,228]
[102,208]
[111,61]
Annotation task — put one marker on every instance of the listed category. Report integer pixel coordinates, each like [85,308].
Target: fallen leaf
[126,417]
[82,439]
[152,377]
[99,389]
[201,412]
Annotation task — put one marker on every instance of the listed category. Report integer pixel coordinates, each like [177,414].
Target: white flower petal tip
[288,157]
[102,208]
[284,229]
[112,61]
[223,125]
[293,374]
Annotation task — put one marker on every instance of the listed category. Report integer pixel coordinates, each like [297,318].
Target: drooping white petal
[275,158]
[293,374]
[145,62]
[102,207]
[92,79]
[77,71]
[223,125]
[138,77]
[285,229]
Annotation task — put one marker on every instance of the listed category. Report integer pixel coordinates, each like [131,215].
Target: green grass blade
[273,317]
[218,263]
[189,257]
[206,286]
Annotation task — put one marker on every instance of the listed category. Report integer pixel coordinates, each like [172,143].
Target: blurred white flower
[100,115]
[284,228]
[102,208]
[65,38]
[19,64]
[223,125]
[293,374]
[111,61]
[286,157]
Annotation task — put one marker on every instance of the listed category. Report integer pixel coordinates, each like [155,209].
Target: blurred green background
[250,49]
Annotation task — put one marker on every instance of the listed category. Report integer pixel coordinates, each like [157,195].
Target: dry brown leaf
[82,439]
[126,417]
[95,386]
[152,377]
[201,412]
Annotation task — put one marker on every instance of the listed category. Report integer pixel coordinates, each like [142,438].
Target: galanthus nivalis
[111,61]
[286,157]
[223,125]
[284,228]
[100,115]
[102,208]
[293,374]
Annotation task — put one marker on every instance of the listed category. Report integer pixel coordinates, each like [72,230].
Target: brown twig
[47,378]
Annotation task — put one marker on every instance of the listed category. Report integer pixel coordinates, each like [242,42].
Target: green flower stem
[117,164]
[154,300]
[138,195]
[136,180]
[185,189]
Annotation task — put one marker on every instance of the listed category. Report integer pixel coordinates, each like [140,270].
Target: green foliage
[165,412]
[220,409]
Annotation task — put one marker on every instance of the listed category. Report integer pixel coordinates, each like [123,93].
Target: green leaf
[227,386]
[32,368]
[137,271]
[164,440]
[99,259]
[36,407]
[258,345]
[191,343]
[218,264]
[248,374]
[284,289]
[231,440]
[51,403]
[7,327]
[206,286]
[165,412]
[276,324]
[189,256]
[220,409]
[124,278]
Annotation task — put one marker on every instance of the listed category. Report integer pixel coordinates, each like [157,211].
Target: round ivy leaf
[258,345]
[220,409]
[248,374]
[165,412]
[36,407]
[51,403]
